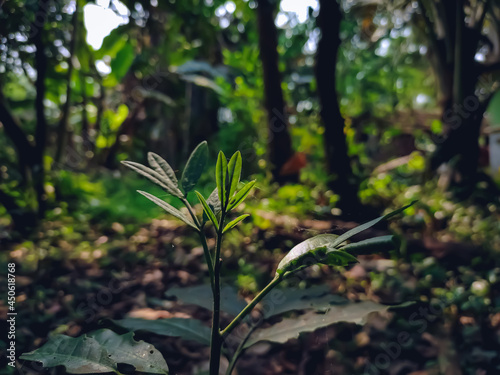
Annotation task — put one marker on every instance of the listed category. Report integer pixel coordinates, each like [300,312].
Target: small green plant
[103,350]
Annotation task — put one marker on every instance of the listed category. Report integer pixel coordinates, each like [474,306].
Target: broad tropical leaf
[220,177]
[234,222]
[98,352]
[282,300]
[241,195]
[234,173]
[187,329]
[170,209]
[291,328]
[161,166]
[208,211]
[154,177]
[201,295]
[124,349]
[194,167]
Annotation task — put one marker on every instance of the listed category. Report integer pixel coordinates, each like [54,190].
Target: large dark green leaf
[291,328]
[194,167]
[282,300]
[201,295]
[187,329]
[98,352]
[124,349]
[170,209]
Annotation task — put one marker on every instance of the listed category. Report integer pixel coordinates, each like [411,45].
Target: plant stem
[208,259]
[239,351]
[216,337]
[277,279]
[203,240]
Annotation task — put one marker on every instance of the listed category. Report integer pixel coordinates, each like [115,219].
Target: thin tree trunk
[279,142]
[62,128]
[41,127]
[339,164]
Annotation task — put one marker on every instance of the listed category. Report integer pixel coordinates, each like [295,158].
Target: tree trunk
[339,164]
[462,110]
[41,123]
[279,141]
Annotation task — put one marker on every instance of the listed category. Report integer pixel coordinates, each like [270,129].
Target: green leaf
[155,177]
[81,355]
[234,222]
[208,211]
[371,245]
[369,224]
[241,195]
[282,300]
[161,166]
[187,329]
[309,322]
[312,251]
[171,210]
[98,352]
[124,349]
[201,295]
[234,173]
[220,177]
[194,167]
[214,202]
[325,248]
[123,61]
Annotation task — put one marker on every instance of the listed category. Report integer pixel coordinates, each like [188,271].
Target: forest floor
[72,283]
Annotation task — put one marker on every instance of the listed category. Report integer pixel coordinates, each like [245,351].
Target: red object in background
[294,164]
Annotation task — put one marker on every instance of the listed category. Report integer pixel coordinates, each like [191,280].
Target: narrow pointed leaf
[241,195]
[371,245]
[234,170]
[194,167]
[208,211]
[234,222]
[369,224]
[188,329]
[161,166]
[167,207]
[220,177]
[154,176]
